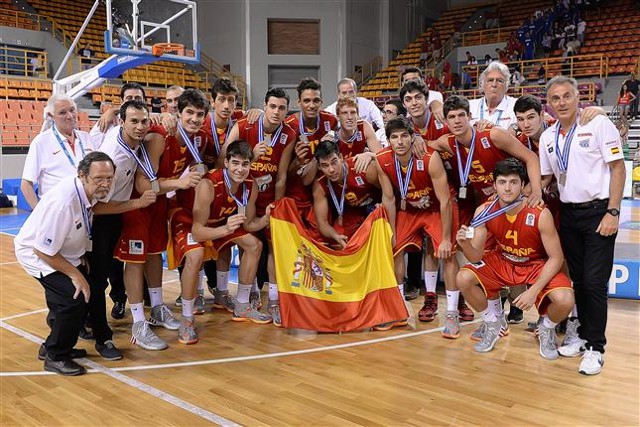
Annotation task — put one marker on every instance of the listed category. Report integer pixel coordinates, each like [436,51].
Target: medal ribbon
[214,132]
[464,173]
[191,146]
[339,206]
[301,126]
[145,163]
[484,102]
[563,157]
[64,146]
[404,185]
[245,191]
[274,137]
[485,216]
[87,215]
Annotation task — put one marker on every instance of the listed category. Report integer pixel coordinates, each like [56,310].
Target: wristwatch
[613,212]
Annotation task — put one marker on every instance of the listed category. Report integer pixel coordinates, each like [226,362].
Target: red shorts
[144,232]
[219,245]
[495,272]
[181,242]
[413,224]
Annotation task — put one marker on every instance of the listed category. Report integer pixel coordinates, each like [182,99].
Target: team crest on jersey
[584,143]
[327,126]
[47,241]
[310,272]
[420,165]
[191,240]
[485,142]
[136,247]
[530,220]
[197,140]
[438,124]
[283,139]
[359,136]
[359,181]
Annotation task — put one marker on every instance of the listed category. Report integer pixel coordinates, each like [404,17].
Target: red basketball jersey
[223,205]
[355,146]
[359,193]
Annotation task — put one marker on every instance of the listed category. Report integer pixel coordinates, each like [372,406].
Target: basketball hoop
[160,49]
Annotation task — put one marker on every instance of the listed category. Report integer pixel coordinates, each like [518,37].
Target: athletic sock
[201,283]
[495,305]
[243,293]
[548,323]
[401,287]
[452,300]
[574,312]
[222,280]
[155,295]
[137,311]
[187,307]
[273,291]
[430,280]
[488,315]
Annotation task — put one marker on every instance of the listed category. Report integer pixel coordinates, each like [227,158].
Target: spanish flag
[326,290]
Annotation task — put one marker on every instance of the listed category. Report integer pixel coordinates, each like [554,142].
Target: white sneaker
[591,363]
[574,348]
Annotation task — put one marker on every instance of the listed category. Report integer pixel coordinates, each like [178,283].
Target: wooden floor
[261,375]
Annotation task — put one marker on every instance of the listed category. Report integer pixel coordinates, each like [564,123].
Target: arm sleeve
[31,170]
[609,142]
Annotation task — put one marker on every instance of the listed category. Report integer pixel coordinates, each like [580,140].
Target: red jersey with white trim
[359,193]
[421,194]
[518,237]
[176,158]
[264,169]
[222,133]
[357,146]
[302,194]
[433,131]
[223,205]
[485,157]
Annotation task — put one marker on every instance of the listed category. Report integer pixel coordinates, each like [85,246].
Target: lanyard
[302,128]
[563,157]
[404,185]
[245,191]
[145,163]
[190,145]
[339,205]
[464,174]
[262,136]
[64,146]
[485,216]
[482,104]
[86,214]
[214,132]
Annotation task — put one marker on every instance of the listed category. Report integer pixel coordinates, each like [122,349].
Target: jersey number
[178,166]
[513,235]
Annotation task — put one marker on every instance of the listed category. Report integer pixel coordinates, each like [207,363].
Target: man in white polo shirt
[367,109]
[55,153]
[495,106]
[51,246]
[588,163]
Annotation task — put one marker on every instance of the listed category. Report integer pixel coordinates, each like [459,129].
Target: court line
[8,263]
[139,385]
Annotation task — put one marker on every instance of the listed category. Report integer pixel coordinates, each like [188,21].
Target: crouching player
[528,252]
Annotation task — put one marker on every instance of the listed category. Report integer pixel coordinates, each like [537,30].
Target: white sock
[495,305]
[431,280]
[187,307]
[201,282]
[574,311]
[273,291]
[222,280]
[137,311]
[243,293]
[155,294]
[488,315]
[548,323]
[452,300]
[401,287]
[254,287]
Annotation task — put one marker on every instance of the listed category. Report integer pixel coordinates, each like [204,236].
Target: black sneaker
[515,315]
[75,353]
[108,351]
[63,367]
[412,294]
[85,334]
[118,310]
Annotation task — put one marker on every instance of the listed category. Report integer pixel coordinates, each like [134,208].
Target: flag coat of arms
[326,290]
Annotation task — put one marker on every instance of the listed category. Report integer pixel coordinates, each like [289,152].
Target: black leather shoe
[75,353]
[64,367]
[118,310]
[85,334]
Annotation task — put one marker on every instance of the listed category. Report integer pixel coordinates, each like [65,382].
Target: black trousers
[68,313]
[590,259]
[414,271]
[104,235]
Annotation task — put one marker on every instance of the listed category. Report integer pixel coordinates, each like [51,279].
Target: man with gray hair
[590,174]
[367,109]
[55,153]
[495,106]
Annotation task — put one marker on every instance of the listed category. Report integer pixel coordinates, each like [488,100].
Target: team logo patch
[359,137]
[327,126]
[478,264]
[584,143]
[485,142]
[612,142]
[78,225]
[550,149]
[136,247]
[47,241]
[310,272]
[190,240]
[615,150]
[420,165]
[530,220]
[283,139]
[128,172]
[359,181]
[198,141]
[438,124]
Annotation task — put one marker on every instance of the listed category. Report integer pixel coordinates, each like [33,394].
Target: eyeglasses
[101,181]
[495,80]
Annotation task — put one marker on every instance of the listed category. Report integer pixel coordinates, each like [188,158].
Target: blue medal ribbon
[403,185]
[563,156]
[485,216]
[190,144]
[275,136]
[339,205]
[87,215]
[214,132]
[301,126]
[245,191]
[482,104]
[464,174]
[64,146]
[145,163]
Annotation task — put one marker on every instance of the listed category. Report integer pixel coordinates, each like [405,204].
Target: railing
[23,62]
[367,71]
[588,92]
[17,18]
[494,35]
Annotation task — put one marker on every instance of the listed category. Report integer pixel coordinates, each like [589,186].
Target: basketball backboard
[164,28]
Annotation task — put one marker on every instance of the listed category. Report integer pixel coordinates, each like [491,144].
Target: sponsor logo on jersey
[283,139]
[359,181]
[327,126]
[136,247]
[584,143]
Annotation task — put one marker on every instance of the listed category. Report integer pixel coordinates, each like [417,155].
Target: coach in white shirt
[588,163]
[55,153]
[51,246]
[495,106]
[367,109]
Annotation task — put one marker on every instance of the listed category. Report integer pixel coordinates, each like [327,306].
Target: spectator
[547,41]
[542,75]
[624,100]
[488,59]
[633,85]
[581,28]
[466,80]
[156,105]
[517,78]
[468,54]
[424,53]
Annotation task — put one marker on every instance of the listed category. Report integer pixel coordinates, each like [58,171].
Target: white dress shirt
[367,110]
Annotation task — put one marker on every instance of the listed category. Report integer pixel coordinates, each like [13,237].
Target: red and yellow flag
[326,290]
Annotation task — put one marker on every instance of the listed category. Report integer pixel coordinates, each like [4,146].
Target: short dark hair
[399,123]
[526,103]
[455,102]
[414,86]
[325,149]
[510,166]
[276,92]
[308,83]
[411,70]
[95,156]
[195,98]
[135,104]
[223,85]
[240,149]
[131,85]
[399,105]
